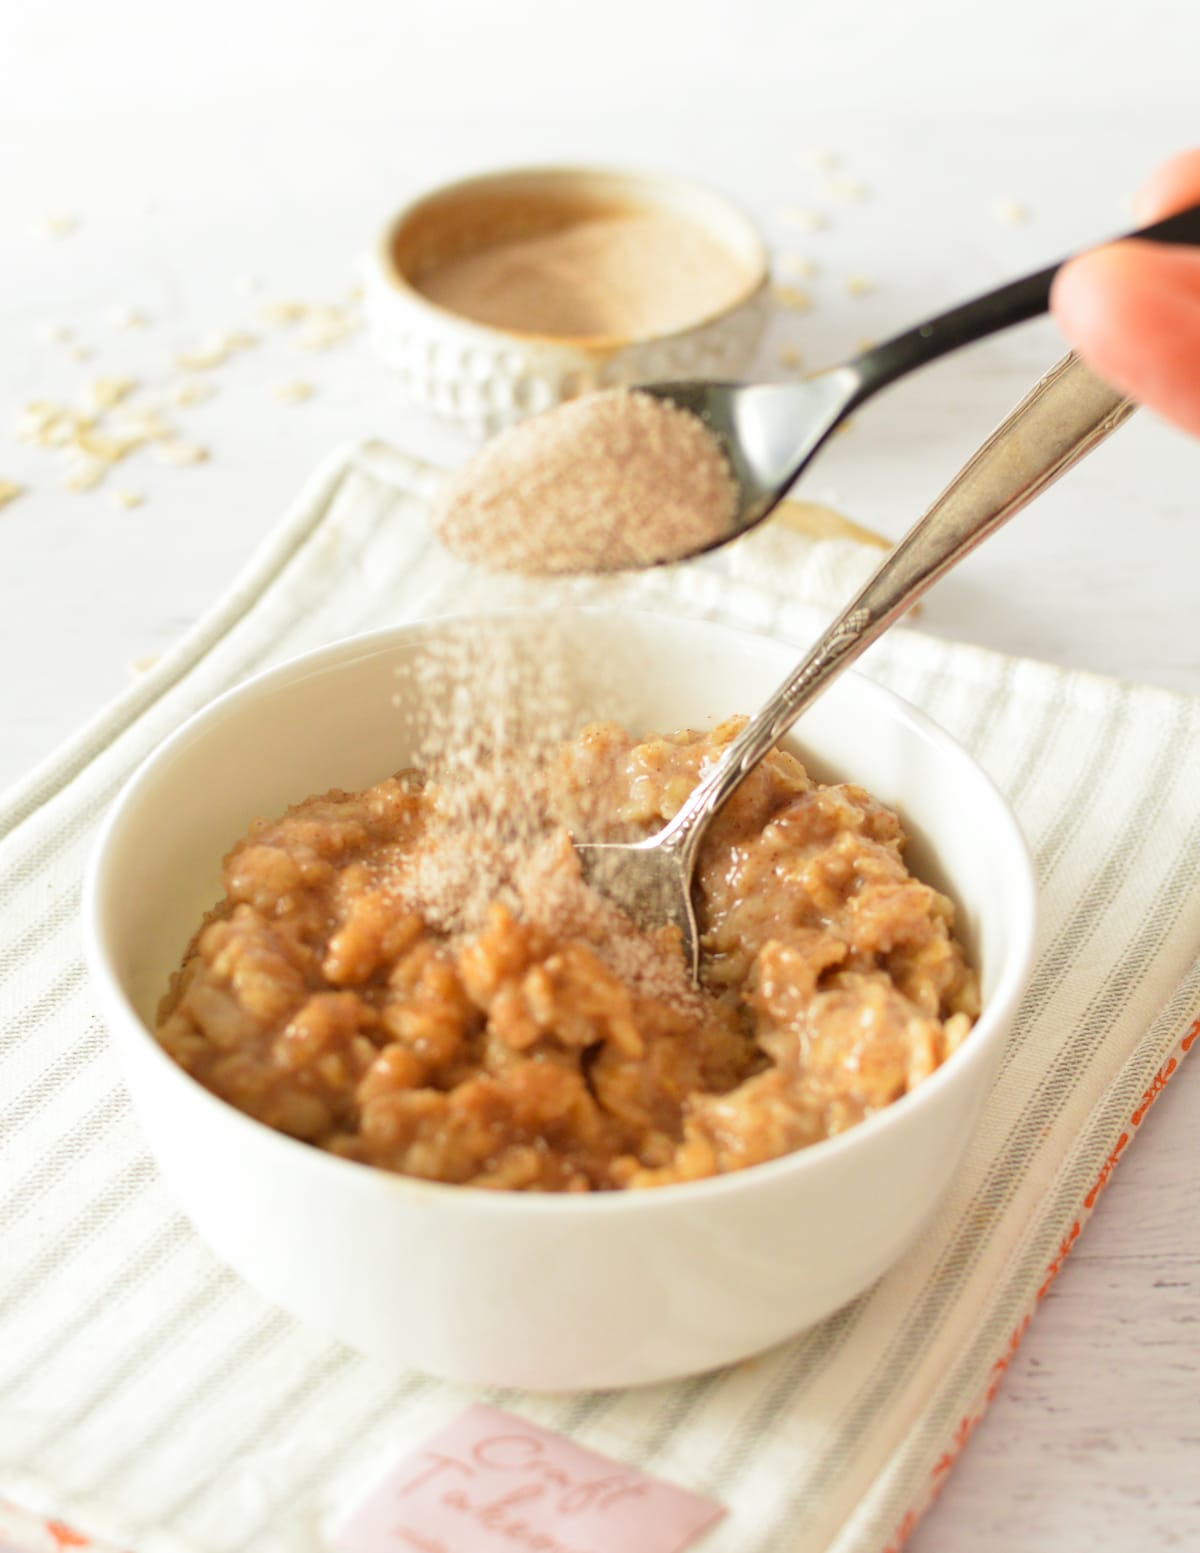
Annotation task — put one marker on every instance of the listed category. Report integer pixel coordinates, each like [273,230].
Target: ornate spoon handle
[1063,418]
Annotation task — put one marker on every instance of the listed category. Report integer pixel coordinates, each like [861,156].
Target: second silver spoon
[1066,415]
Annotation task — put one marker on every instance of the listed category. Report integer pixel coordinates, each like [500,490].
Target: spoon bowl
[769,432]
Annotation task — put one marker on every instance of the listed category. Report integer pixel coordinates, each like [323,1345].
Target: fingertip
[1087,291]
[1171,187]
[1131,311]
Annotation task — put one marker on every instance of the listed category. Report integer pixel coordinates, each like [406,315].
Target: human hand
[1132,310]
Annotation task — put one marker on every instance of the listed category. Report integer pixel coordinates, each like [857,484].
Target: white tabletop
[217,159]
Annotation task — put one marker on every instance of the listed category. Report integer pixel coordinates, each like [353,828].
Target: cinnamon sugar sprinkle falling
[490,724]
[613,480]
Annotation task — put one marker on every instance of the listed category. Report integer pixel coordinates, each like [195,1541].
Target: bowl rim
[393,280]
[1010,984]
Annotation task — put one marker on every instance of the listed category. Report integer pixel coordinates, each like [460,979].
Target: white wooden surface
[202,149]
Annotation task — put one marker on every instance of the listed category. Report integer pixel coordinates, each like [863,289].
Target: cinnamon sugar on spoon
[614,480]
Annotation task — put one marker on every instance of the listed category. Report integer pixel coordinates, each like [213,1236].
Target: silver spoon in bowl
[1066,414]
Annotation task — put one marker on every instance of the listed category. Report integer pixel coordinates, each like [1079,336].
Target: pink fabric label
[490,1482]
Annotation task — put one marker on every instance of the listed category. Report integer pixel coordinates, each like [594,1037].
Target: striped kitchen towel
[150,1400]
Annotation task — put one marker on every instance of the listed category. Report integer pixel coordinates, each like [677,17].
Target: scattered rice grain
[85,477]
[180,453]
[324,327]
[140,424]
[35,421]
[292,392]
[102,393]
[236,340]
[794,298]
[802,219]
[215,351]
[283,312]
[123,317]
[847,191]
[104,449]
[193,390]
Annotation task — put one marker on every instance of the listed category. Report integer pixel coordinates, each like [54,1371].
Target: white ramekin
[486,378]
[526,1290]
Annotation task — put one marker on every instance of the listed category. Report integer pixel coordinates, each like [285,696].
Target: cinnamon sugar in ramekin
[502,295]
[623,273]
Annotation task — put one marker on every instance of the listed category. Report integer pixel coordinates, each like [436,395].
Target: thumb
[1132,312]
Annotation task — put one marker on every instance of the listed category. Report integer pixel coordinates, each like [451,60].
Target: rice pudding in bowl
[630,1285]
[417,976]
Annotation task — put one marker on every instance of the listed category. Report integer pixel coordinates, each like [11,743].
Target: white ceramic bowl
[489,378]
[527,1290]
